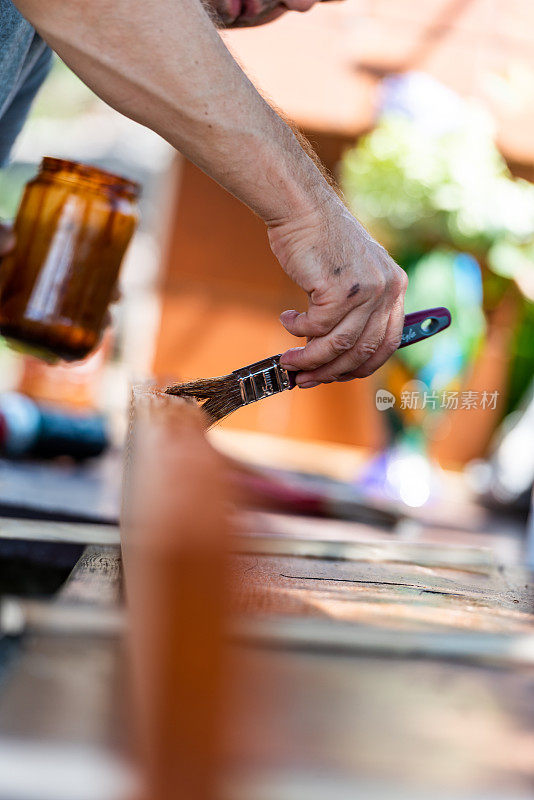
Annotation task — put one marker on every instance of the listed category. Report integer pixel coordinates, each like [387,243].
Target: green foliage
[522,363]
[415,190]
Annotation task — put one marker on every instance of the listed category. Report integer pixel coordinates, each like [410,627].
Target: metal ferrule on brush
[262,379]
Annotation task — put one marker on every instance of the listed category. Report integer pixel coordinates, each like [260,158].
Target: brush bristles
[218,397]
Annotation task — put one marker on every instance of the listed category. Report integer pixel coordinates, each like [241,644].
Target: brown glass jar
[72,230]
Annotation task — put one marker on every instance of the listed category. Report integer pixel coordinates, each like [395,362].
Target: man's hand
[7,239]
[356,293]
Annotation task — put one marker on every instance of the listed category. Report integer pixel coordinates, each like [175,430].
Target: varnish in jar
[72,230]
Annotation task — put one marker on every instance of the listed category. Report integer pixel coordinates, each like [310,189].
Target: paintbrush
[221,396]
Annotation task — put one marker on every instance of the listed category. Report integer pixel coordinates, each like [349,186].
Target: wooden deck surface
[365,665]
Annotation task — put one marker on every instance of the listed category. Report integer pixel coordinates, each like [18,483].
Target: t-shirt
[24,63]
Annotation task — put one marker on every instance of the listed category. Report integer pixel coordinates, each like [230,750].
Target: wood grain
[96,578]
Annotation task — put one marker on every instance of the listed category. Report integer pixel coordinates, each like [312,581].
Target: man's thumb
[7,239]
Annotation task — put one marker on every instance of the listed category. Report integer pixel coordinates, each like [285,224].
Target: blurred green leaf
[414,190]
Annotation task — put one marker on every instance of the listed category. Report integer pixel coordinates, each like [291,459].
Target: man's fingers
[391,343]
[324,349]
[330,302]
[316,321]
[7,240]
[371,340]
[116,294]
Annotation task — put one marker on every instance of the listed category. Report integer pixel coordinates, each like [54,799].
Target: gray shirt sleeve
[32,76]
[24,63]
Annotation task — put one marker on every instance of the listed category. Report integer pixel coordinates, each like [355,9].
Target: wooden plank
[19,616]
[389,594]
[51,770]
[51,531]
[96,578]
[175,527]
[68,689]
[87,492]
[500,537]
[307,784]
[389,725]
[471,559]
[333,636]
[64,696]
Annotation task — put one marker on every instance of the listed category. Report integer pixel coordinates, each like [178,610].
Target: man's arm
[162,63]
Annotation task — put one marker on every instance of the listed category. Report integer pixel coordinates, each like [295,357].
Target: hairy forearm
[162,63]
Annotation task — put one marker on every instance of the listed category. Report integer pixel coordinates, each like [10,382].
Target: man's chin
[262,19]
[243,13]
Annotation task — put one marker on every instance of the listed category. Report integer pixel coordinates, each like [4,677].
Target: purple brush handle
[422,324]
[414,331]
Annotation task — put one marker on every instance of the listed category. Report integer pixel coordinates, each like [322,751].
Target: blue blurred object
[456,279]
[31,429]
[402,473]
